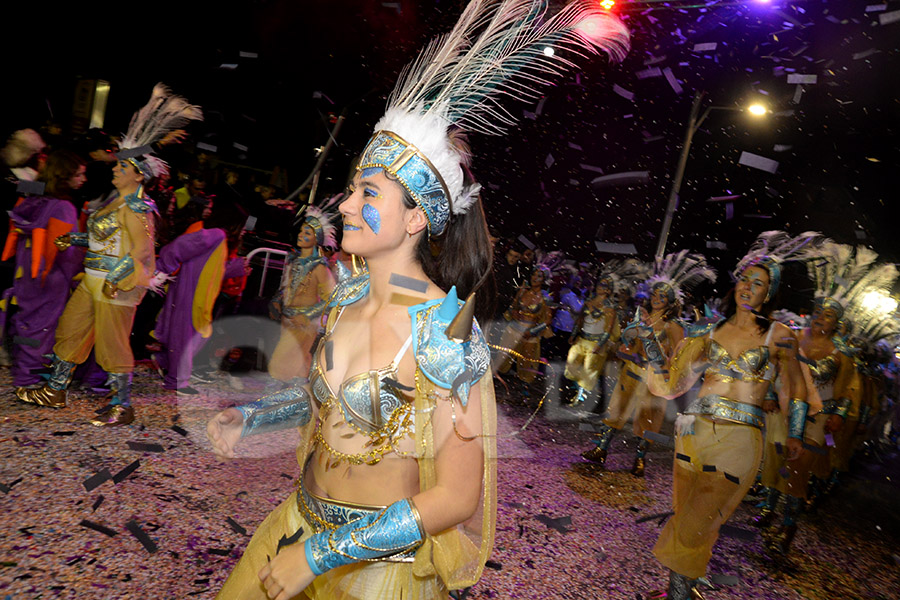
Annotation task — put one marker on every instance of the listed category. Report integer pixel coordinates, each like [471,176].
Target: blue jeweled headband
[774,270]
[387,150]
[828,302]
[317,228]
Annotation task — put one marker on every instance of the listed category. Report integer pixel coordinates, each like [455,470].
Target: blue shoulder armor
[700,328]
[451,365]
[349,288]
[141,204]
[844,347]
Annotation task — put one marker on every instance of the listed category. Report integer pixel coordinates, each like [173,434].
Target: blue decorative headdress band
[827,302]
[412,169]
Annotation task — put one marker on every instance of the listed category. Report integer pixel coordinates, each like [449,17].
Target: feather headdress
[846,276]
[507,48]
[774,248]
[163,114]
[680,271]
[623,275]
[321,219]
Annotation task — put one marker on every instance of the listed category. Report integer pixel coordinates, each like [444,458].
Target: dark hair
[729,305]
[460,256]
[60,167]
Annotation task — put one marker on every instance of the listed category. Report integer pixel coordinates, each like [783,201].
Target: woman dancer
[587,358]
[118,265]
[718,442]
[671,276]
[397,496]
[528,316]
[306,286]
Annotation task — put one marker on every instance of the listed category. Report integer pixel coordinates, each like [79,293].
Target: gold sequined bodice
[752,365]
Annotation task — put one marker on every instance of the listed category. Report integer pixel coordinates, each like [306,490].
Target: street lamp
[694,123]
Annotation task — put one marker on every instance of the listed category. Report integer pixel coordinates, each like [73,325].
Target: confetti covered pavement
[147,511]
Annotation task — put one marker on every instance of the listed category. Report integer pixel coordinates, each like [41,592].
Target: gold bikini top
[752,365]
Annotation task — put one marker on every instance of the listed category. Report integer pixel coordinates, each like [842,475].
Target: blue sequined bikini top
[366,400]
[752,365]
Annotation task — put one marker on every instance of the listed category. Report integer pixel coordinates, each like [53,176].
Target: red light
[608,4]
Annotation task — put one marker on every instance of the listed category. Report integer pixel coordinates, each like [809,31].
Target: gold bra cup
[103,226]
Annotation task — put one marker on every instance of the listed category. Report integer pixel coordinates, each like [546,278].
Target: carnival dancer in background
[398,492]
[738,358]
[844,279]
[194,265]
[672,276]
[305,288]
[528,318]
[118,265]
[43,276]
[597,329]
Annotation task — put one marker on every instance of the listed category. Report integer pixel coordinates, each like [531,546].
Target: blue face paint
[372,218]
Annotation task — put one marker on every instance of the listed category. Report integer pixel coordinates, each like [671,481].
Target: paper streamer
[625,178]
[670,77]
[623,92]
[758,162]
[409,283]
[615,248]
[800,78]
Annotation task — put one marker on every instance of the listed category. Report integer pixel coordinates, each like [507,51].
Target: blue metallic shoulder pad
[451,365]
[844,348]
[699,328]
[141,204]
[349,290]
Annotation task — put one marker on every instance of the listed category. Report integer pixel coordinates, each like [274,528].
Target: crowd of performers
[387,373]
[767,399]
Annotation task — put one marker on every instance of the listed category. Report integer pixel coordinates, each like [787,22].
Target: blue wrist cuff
[797,418]
[283,410]
[395,529]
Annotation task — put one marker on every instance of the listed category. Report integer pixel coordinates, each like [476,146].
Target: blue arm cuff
[652,349]
[124,267]
[797,418]
[843,407]
[395,529]
[283,410]
[864,414]
[537,329]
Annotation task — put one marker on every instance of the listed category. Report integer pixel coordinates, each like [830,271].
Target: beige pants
[704,500]
[631,396]
[583,365]
[789,477]
[89,321]
[514,339]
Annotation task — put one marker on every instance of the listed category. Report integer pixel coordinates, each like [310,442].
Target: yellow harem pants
[583,365]
[789,477]
[844,444]
[631,396]
[514,338]
[703,499]
[357,581]
[89,320]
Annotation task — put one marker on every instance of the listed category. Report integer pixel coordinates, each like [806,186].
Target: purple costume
[40,300]
[197,260]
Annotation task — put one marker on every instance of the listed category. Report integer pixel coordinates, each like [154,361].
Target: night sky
[290,66]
